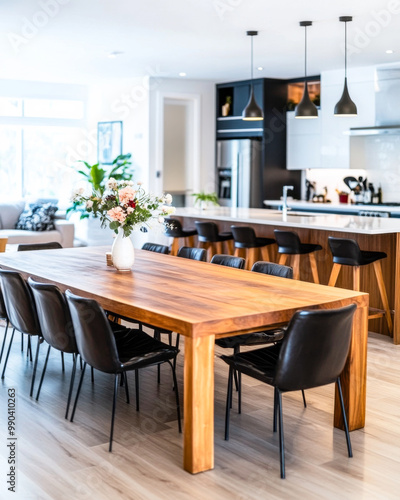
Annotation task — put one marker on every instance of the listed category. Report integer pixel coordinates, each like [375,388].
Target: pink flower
[117,214]
[126,194]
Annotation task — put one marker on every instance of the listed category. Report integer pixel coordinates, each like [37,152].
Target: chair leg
[113,411]
[62,362]
[239,376]
[29,349]
[125,377]
[92,374]
[275,408]
[346,428]
[71,384]
[190,241]
[22,342]
[175,246]
[178,407]
[78,392]
[43,373]
[252,254]
[314,268]
[334,274]
[281,437]
[4,340]
[265,254]
[229,246]
[356,278]
[8,353]
[382,290]
[304,398]
[296,267]
[177,346]
[39,341]
[282,259]
[228,402]
[137,389]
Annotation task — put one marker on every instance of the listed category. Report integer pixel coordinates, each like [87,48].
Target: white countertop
[329,222]
[338,207]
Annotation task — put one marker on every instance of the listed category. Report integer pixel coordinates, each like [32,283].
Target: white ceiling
[204,38]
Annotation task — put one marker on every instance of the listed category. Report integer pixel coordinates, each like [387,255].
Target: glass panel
[52,108]
[48,171]
[10,106]
[10,163]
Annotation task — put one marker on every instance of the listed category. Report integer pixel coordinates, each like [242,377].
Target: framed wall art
[109,141]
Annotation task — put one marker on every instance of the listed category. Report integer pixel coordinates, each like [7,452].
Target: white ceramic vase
[122,252]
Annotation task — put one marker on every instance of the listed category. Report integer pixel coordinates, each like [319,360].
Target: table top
[193,298]
[324,222]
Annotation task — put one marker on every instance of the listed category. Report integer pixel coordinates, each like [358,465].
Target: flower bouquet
[125,207]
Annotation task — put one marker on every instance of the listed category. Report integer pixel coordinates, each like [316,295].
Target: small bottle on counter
[379,195]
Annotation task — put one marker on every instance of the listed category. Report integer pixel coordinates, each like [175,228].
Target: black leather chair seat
[155,247]
[303,249]
[193,253]
[208,232]
[366,257]
[258,243]
[346,251]
[224,236]
[174,228]
[247,339]
[228,261]
[137,349]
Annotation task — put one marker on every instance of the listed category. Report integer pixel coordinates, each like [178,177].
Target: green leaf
[114,225]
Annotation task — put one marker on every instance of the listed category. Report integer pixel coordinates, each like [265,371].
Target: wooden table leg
[396,322]
[198,433]
[354,375]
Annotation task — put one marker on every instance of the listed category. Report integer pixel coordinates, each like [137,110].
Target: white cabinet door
[303,142]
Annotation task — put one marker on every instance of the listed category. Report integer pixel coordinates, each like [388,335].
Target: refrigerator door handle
[235,181]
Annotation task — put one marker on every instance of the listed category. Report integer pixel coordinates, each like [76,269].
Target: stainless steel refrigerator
[239,173]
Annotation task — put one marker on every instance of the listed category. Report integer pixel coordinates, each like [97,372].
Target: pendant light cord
[251,69]
[345,49]
[305,51]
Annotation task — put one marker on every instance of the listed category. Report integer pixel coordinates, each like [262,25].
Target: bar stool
[346,252]
[211,239]
[173,228]
[249,246]
[289,244]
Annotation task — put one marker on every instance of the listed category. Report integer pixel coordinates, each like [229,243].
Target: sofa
[9,216]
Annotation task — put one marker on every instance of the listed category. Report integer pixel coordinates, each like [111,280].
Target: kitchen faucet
[284,205]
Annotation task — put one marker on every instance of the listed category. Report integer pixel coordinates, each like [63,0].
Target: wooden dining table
[202,302]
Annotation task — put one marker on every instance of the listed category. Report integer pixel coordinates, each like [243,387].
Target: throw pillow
[37,218]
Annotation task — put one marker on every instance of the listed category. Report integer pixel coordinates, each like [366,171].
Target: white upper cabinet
[303,145]
[324,142]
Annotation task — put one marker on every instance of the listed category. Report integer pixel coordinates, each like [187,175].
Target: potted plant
[97,176]
[203,199]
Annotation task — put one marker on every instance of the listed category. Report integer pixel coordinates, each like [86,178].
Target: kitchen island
[371,233]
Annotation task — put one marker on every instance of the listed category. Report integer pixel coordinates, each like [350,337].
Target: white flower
[168,209]
[111,183]
[129,210]
[167,198]
[161,219]
[77,193]
[89,204]
[139,183]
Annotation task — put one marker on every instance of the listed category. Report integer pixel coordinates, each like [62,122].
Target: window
[51,108]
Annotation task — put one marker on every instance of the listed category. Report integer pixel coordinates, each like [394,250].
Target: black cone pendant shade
[252,111]
[345,107]
[305,108]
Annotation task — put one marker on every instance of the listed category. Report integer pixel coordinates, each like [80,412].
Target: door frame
[192,101]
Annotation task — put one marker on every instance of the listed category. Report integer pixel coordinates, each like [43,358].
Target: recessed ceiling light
[182,73]
[260,68]
[114,54]
[390,51]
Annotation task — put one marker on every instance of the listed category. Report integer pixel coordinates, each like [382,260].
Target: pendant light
[305,108]
[252,112]
[345,107]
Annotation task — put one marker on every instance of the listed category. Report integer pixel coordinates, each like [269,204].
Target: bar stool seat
[346,252]
[174,229]
[211,239]
[250,246]
[289,244]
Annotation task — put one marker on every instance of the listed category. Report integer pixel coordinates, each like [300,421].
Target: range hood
[387,103]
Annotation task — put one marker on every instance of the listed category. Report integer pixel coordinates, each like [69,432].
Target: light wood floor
[62,460]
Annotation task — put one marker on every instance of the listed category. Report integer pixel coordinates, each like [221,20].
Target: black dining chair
[313,353]
[228,261]
[270,336]
[51,245]
[155,247]
[21,312]
[193,253]
[100,349]
[211,239]
[174,229]
[4,317]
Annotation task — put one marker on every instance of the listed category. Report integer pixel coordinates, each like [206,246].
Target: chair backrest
[244,235]
[154,247]
[53,315]
[19,303]
[193,253]
[273,269]
[228,260]
[287,241]
[173,227]
[38,246]
[94,337]
[207,231]
[345,251]
[3,310]
[314,348]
